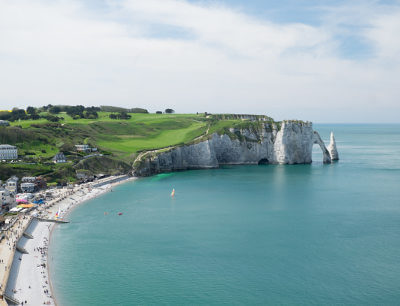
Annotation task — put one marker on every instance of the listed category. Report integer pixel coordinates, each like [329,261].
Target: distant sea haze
[269,234]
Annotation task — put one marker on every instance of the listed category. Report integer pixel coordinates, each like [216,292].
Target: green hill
[118,140]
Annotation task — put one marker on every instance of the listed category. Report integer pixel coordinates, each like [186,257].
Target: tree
[169,111]
[74,111]
[93,108]
[31,110]
[46,107]
[124,115]
[91,113]
[139,110]
[17,114]
[5,115]
[34,117]
[52,118]
[158,112]
[55,109]
[121,115]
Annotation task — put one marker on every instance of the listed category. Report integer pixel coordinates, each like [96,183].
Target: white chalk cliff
[290,144]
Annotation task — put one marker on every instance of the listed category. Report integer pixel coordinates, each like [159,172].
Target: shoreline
[26,281]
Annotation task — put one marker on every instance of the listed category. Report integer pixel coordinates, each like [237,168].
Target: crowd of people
[66,199]
[14,232]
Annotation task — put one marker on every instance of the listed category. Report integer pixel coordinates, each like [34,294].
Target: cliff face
[291,144]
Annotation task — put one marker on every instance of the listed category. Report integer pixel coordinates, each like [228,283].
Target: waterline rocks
[288,142]
[195,156]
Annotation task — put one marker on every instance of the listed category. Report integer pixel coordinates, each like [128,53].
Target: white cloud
[62,52]
[385,33]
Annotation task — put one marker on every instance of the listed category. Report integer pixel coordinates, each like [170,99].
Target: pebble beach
[24,276]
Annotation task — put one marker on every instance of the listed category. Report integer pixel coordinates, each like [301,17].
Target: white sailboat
[58,214]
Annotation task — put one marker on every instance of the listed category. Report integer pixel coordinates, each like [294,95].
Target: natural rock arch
[326,156]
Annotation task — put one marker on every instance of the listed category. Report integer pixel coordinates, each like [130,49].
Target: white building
[8,152]
[28,187]
[28,179]
[12,184]
[82,148]
[6,198]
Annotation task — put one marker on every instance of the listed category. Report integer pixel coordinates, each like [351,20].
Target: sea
[244,235]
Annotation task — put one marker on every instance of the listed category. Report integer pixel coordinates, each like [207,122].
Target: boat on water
[58,215]
[173,192]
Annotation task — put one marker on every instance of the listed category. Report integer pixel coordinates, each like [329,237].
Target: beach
[24,276]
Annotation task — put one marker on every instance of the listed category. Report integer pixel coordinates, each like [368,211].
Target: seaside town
[29,209]
[15,192]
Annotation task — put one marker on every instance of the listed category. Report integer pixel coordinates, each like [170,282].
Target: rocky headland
[287,142]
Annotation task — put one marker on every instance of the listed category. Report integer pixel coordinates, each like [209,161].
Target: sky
[327,61]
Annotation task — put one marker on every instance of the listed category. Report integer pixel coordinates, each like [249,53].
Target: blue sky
[324,61]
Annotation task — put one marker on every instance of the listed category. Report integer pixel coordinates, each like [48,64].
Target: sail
[173,192]
[58,214]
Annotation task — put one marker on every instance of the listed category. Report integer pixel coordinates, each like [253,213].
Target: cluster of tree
[76,112]
[116,109]
[32,113]
[167,111]
[14,115]
[53,118]
[91,112]
[120,115]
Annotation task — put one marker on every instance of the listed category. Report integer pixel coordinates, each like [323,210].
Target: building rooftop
[59,155]
[7,146]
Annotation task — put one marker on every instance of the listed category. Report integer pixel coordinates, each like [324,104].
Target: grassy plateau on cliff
[118,140]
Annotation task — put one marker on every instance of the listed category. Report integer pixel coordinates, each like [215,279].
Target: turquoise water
[271,234]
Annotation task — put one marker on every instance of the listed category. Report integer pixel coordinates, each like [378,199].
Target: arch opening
[326,158]
[317,154]
[263,161]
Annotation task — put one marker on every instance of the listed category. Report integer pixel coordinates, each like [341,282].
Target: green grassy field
[104,117]
[119,140]
[157,139]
